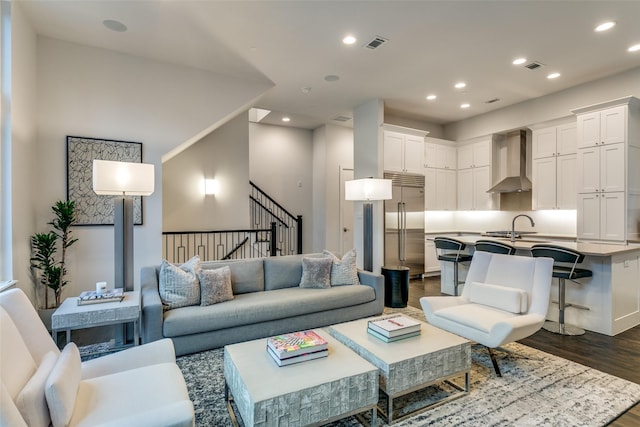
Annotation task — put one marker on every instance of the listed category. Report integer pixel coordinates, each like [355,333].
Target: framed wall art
[92,209]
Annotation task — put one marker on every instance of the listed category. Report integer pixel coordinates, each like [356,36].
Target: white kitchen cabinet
[440,189]
[608,126]
[403,153]
[554,141]
[474,155]
[607,179]
[431,263]
[601,216]
[554,183]
[472,189]
[445,157]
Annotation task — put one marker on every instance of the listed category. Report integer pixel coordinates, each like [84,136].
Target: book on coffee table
[93,297]
[394,325]
[297,359]
[393,339]
[296,343]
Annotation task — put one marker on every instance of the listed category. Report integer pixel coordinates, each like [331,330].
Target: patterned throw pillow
[178,285]
[316,273]
[215,285]
[343,271]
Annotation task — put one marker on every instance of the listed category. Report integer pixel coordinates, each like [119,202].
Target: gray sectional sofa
[267,301]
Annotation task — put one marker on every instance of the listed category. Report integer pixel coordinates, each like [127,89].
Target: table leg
[68,336]
[136,332]
[389,410]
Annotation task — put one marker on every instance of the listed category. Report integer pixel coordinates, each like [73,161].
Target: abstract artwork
[92,209]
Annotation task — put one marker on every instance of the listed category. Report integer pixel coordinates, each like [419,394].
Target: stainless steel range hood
[516,180]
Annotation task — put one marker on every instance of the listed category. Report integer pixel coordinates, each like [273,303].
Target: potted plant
[49,250]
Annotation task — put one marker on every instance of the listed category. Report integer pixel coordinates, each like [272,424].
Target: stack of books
[393,328]
[296,347]
[93,297]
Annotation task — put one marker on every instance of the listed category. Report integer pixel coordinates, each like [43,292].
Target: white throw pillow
[504,298]
[343,271]
[178,284]
[62,385]
[215,285]
[31,401]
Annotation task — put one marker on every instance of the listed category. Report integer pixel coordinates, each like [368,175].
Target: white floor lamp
[368,190]
[125,180]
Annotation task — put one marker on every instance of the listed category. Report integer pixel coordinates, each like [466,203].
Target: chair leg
[494,361]
[455,279]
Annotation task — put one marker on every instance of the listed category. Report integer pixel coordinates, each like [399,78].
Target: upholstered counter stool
[495,247]
[454,255]
[568,271]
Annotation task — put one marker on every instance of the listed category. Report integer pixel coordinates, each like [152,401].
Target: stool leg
[561,306]
[455,279]
[561,327]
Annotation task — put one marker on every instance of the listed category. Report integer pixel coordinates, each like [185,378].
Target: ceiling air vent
[533,65]
[376,42]
[341,119]
[491,101]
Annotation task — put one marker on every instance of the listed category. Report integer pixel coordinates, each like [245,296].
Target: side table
[396,286]
[70,315]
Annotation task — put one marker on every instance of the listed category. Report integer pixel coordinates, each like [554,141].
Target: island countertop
[587,248]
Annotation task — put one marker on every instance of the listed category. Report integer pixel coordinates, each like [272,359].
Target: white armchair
[505,298]
[141,386]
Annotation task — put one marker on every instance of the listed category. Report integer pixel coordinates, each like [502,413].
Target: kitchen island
[612,295]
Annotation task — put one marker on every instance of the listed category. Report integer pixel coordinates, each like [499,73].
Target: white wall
[222,155]
[547,107]
[280,163]
[92,92]
[23,109]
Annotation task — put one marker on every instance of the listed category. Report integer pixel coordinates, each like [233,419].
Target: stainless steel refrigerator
[404,223]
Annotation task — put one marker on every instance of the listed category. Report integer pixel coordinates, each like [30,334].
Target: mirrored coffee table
[411,364]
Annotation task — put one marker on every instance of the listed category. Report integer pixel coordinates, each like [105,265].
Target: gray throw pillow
[178,285]
[215,285]
[316,273]
[343,271]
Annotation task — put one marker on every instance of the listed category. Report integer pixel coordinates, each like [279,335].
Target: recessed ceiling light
[113,25]
[465,105]
[331,78]
[460,85]
[286,119]
[305,89]
[605,26]
[349,40]
[431,97]
[634,48]
[553,76]
[519,61]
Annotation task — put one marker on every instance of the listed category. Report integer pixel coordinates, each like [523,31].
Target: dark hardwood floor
[619,355]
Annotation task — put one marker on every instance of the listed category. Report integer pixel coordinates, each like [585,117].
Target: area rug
[537,389]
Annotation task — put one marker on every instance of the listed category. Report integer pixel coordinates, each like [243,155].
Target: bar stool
[449,244]
[495,247]
[562,273]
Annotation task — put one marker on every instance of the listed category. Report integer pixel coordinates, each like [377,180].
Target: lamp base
[368,236]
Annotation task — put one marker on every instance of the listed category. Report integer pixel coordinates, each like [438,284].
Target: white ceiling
[432,45]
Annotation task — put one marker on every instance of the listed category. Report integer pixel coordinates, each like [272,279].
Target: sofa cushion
[178,284]
[62,385]
[502,297]
[215,285]
[316,273]
[31,400]
[343,271]
[284,271]
[259,307]
[247,275]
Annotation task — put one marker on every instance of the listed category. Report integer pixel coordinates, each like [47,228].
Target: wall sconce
[211,187]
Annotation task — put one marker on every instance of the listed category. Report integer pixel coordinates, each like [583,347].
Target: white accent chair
[505,298]
[41,386]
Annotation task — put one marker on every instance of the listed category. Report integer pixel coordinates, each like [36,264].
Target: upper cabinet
[608,184]
[554,167]
[440,174]
[476,175]
[474,155]
[403,152]
[439,154]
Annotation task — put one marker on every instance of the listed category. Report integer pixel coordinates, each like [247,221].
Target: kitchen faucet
[513,226]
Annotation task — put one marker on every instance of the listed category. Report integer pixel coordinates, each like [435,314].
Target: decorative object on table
[95,297]
[45,246]
[394,326]
[368,190]
[94,209]
[296,347]
[386,339]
